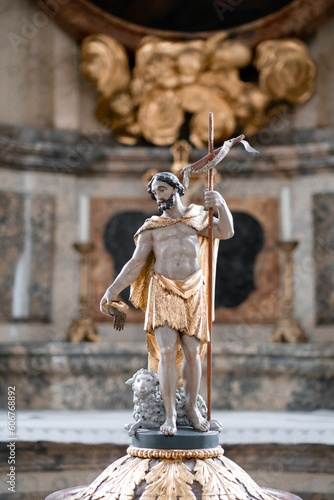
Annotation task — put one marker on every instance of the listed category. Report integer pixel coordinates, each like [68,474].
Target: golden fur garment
[182,305]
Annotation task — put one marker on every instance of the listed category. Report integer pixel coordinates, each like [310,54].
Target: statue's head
[169,179]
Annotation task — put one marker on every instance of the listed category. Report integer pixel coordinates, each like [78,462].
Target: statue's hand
[107,298]
[213,199]
[117,310]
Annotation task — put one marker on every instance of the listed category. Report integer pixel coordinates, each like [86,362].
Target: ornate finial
[180,151]
[147,176]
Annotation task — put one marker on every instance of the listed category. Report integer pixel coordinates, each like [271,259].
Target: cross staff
[210,272]
[207,164]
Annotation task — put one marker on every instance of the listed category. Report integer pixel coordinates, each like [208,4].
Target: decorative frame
[82,18]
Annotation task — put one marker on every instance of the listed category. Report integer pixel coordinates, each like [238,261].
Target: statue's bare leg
[191,375]
[167,373]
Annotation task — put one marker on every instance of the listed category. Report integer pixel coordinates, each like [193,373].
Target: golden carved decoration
[105,63]
[183,478]
[285,70]
[170,79]
[222,478]
[201,454]
[121,479]
[180,151]
[82,328]
[169,479]
[160,117]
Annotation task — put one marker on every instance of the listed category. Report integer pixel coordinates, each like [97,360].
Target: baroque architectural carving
[172,80]
[152,476]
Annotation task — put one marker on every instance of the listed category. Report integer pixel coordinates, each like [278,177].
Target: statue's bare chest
[175,231]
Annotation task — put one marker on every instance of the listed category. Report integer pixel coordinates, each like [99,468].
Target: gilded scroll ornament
[160,117]
[197,99]
[285,70]
[104,62]
[170,80]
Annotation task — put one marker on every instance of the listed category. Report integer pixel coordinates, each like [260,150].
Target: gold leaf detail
[217,482]
[286,70]
[118,481]
[101,479]
[222,477]
[170,79]
[175,454]
[253,489]
[167,480]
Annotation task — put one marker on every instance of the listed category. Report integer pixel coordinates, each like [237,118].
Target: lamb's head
[143,382]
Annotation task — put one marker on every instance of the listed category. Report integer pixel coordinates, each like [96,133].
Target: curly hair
[170,179]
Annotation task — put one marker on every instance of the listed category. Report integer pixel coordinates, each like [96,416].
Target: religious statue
[166,272]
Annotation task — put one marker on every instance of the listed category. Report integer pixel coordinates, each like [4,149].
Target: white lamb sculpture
[148,410]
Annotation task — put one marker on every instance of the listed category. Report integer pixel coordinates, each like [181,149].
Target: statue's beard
[166,204]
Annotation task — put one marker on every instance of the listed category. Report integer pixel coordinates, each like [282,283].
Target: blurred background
[95,97]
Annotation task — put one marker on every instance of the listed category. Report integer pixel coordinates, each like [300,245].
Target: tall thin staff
[210,270]
[207,164]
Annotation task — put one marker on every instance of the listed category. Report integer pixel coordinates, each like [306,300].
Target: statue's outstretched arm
[131,270]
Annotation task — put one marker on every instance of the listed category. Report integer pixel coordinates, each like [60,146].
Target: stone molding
[247,376]
[67,152]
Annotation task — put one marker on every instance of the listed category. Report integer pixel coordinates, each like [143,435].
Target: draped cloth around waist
[182,305]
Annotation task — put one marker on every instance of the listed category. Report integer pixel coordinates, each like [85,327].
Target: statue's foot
[199,422]
[168,428]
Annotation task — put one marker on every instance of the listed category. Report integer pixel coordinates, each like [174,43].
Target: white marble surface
[96,427]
